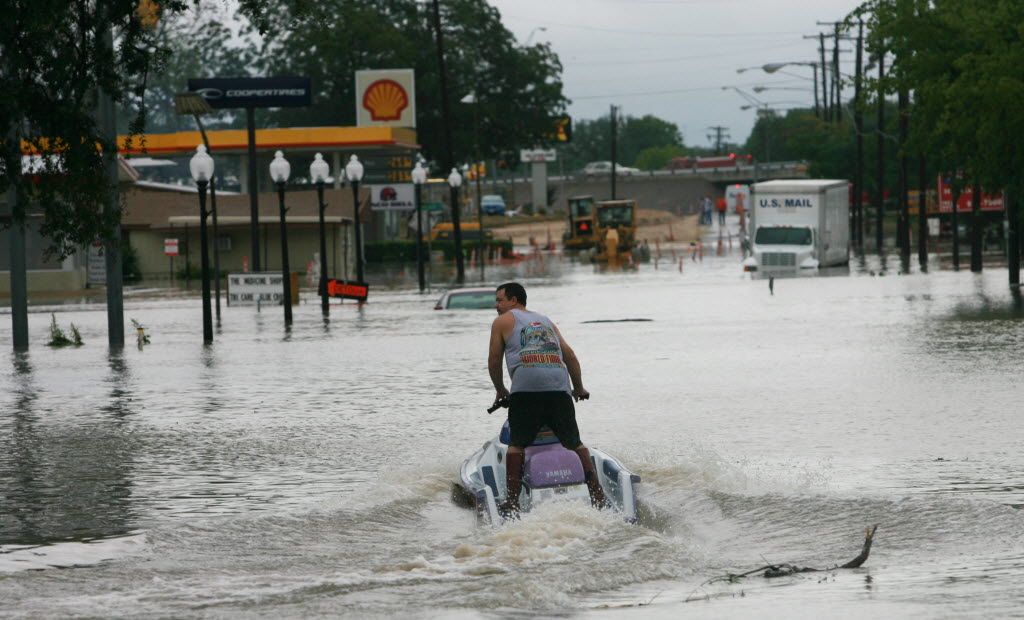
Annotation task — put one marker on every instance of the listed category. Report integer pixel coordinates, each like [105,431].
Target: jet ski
[551,473]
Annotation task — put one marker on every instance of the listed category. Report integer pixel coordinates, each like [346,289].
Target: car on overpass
[598,168]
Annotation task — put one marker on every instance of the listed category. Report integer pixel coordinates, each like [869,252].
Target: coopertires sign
[274,92]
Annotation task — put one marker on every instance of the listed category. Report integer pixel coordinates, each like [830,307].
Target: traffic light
[563,129]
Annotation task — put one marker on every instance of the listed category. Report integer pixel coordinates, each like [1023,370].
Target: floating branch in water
[783,570]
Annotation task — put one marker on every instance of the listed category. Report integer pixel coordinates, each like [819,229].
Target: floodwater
[307,473]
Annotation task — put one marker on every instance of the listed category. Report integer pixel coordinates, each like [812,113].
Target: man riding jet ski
[541,364]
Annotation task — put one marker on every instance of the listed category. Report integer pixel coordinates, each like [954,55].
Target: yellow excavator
[615,228]
[580,235]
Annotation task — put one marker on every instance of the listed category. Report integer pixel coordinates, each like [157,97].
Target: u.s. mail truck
[799,224]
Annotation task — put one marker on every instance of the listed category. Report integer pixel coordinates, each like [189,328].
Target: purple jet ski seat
[551,465]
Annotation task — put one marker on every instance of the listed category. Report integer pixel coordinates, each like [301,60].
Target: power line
[680,58]
[661,92]
[716,35]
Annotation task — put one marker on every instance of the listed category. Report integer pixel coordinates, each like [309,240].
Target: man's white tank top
[533,355]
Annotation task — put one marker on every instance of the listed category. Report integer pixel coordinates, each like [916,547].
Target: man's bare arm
[572,364]
[495,357]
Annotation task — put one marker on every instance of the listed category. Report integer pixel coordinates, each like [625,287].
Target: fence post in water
[922,212]
[956,185]
[976,227]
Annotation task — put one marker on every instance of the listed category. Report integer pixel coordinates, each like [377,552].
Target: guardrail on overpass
[678,191]
[731,174]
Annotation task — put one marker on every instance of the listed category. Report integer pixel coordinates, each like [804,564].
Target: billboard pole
[252,93]
[254,206]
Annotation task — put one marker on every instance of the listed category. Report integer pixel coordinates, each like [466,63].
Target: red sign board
[348,290]
[989,202]
[171,247]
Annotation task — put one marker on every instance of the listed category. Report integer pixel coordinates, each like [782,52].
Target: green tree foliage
[641,133]
[55,62]
[592,140]
[961,60]
[518,89]
[199,44]
[55,58]
[828,148]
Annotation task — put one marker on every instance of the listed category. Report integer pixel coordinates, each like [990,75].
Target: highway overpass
[678,191]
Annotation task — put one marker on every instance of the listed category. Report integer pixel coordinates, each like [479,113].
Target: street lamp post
[194,104]
[773,67]
[354,172]
[280,170]
[475,102]
[419,177]
[454,181]
[201,167]
[480,221]
[318,173]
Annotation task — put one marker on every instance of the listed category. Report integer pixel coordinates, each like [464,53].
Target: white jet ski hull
[482,483]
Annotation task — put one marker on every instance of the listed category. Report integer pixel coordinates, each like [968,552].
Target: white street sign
[96,271]
[248,288]
[531,156]
[394,197]
[171,247]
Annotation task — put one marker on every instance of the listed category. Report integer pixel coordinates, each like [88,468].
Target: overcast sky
[671,58]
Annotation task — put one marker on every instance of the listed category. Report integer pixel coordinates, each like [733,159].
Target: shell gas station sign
[386,98]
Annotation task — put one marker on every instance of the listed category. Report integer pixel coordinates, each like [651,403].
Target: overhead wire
[651,33]
[682,58]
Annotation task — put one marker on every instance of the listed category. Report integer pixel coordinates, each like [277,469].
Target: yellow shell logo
[385,100]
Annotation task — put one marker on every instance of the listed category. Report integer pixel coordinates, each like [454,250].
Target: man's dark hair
[513,289]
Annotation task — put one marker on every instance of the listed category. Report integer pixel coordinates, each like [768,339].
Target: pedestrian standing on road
[721,207]
[705,210]
[541,364]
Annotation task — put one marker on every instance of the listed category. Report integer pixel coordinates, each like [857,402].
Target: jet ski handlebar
[498,405]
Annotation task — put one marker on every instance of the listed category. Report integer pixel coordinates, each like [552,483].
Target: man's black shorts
[529,411]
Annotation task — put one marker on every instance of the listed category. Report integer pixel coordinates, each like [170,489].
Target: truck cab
[619,215]
[580,235]
[784,246]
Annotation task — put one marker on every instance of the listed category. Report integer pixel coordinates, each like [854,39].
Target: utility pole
[112,246]
[858,127]
[956,183]
[837,82]
[976,227]
[254,188]
[19,274]
[922,208]
[817,106]
[833,92]
[824,77]
[1011,197]
[615,132]
[447,133]
[719,137]
[904,207]
[826,111]
[880,170]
